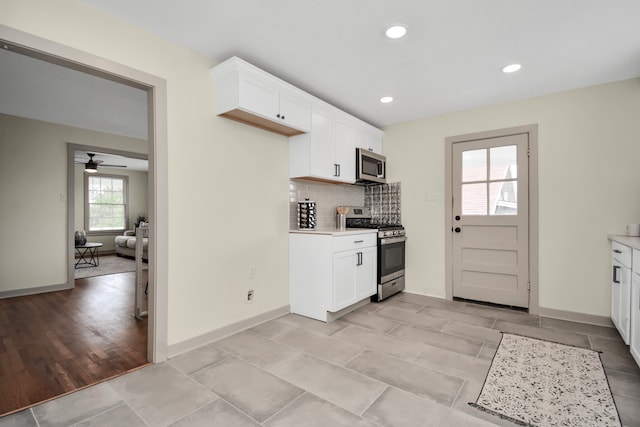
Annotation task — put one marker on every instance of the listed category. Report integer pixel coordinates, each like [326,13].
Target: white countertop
[633,242]
[334,232]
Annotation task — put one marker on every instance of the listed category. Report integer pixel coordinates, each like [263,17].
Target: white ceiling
[40,90]
[450,59]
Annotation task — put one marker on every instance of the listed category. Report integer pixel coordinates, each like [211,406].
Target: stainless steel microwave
[370,167]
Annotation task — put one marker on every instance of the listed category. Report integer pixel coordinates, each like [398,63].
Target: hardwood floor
[58,342]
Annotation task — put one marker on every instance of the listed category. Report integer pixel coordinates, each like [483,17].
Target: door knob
[457,217]
[458,229]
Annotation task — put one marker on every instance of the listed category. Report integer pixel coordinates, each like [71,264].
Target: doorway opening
[47,51]
[491,248]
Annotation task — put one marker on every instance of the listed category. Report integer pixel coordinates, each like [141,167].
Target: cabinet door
[322,148]
[376,142]
[345,151]
[295,110]
[366,274]
[625,303]
[258,96]
[634,339]
[615,296]
[620,300]
[344,280]
[369,140]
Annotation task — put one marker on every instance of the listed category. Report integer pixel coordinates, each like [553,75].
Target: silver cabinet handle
[359,261]
[358,241]
[617,251]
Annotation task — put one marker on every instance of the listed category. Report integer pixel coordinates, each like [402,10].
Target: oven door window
[391,258]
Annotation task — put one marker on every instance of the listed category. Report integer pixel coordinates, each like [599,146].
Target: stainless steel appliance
[370,167]
[391,251]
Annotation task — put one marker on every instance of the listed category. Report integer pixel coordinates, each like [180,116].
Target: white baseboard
[34,291]
[209,337]
[332,317]
[553,313]
[573,316]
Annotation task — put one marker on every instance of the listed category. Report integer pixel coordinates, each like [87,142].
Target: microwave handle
[381,166]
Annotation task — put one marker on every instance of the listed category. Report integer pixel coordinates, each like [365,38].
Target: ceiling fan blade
[113,166]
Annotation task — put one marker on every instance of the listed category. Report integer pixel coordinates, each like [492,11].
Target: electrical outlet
[250,296]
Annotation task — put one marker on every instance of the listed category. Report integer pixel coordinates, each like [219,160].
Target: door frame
[156,88]
[532,131]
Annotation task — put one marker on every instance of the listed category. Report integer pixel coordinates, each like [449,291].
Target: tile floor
[409,361]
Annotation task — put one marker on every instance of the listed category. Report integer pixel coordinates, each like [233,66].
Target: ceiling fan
[92,165]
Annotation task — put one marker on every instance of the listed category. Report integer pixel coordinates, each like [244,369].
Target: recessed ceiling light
[396,31]
[386,99]
[511,68]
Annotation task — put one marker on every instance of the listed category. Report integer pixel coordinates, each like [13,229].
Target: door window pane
[474,199]
[474,165]
[504,162]
[503,198]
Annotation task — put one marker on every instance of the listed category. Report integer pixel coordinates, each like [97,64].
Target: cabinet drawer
[354,241]
[622,253]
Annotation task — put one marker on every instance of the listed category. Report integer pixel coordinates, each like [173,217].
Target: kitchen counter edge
[334,232]
[633,242]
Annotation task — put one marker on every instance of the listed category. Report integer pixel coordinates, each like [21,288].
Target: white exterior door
[490,224]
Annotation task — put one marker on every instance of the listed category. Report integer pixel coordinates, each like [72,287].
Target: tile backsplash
[383,200]
[327,198]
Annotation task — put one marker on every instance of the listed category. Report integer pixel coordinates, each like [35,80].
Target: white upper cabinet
[369,138]
[345,149]
[328,152]
[249,95]
[323,139]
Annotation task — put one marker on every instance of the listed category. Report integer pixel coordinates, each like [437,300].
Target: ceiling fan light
[91,167]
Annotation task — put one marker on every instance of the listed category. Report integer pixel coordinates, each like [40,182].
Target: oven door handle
[390,240]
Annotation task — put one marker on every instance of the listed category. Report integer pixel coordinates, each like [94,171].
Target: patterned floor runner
[540,383]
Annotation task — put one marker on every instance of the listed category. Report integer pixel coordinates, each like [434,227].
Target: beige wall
[138,186]
[33,190]
[227,182]
[229,211]
[589,186]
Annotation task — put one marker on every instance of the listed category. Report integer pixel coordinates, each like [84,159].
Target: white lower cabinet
[354,277]
[621,288]
[634,339]
[328,273]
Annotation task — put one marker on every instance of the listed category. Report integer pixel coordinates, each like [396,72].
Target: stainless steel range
[391,251]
